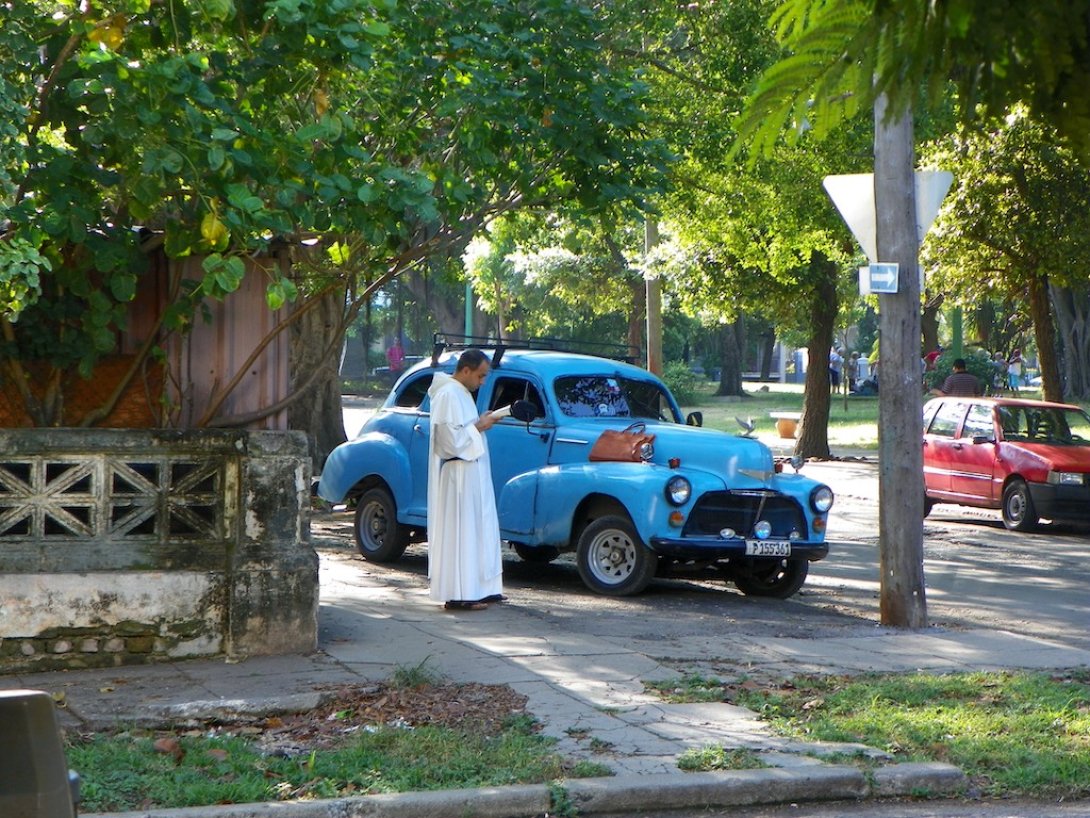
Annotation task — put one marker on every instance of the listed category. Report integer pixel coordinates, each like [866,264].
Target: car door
[412,397]
[938,447]
[973,453]
[517,450]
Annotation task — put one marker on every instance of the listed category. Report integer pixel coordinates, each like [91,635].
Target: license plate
[767,548]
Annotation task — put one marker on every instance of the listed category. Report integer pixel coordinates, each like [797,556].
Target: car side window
[508,389]
[979,422]
[413,393]
[1012,422]
[947,419]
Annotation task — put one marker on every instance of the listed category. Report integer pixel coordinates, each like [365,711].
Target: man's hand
[486,421]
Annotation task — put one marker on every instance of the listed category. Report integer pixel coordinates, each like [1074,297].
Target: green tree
[1016,228]
[761,240]
[560,278]
[392,132]
[843,54]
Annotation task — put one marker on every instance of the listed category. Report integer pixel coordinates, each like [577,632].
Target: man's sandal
[459,605]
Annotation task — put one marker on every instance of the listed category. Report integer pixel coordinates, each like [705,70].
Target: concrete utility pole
[654,302]
[900,451]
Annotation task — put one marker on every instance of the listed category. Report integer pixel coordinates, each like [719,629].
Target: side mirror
[524,411]
[695,419]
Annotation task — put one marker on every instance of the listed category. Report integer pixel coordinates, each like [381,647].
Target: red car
[1029,458]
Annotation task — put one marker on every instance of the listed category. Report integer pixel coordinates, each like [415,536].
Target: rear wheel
[611,558]
[540,554]
[379,537]
[1018,511]
[772,577]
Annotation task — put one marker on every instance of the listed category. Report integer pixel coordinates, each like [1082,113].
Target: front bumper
[716,513]
[716,548]
[1053,502]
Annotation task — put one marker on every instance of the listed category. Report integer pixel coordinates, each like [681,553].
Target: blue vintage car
[702,502]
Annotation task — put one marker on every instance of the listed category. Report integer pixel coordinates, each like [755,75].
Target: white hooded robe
[465,562]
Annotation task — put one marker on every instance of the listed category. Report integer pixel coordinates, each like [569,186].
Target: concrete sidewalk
[587,691]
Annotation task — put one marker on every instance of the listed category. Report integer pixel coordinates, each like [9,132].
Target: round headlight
[678,490]
[821,499]
[762,529]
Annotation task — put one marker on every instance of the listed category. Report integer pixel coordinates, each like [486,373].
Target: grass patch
[1016,733]
[719,758]
[692,687]
[852,422]
[354,747]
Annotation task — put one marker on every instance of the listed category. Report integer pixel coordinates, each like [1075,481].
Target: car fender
[373,454]
[561,490]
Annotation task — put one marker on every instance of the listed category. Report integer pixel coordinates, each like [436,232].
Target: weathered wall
[132,546]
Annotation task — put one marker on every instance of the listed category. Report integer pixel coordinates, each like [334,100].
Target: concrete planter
[125,546]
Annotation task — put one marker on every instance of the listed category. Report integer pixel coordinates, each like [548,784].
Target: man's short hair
[470,359]
[959,363]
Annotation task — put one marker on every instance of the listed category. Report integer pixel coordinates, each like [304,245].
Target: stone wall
[124,546]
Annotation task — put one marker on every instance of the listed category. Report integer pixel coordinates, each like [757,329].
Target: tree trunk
[637,318]
[318,411]
[768,347]
[1072,307]
[814,431]
[929,323]
[1044,332]
[902,599]
[447,314]
[732,342]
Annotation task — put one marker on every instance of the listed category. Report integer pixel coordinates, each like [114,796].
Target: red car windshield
[1045,424]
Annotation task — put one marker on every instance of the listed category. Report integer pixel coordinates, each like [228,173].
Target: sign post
[889,212]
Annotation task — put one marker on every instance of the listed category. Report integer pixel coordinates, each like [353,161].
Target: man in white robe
[465,564]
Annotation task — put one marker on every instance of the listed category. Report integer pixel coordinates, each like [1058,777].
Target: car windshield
[613,397]
[1045,424]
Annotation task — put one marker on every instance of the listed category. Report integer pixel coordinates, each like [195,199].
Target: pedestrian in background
[1014,370]
[959,383]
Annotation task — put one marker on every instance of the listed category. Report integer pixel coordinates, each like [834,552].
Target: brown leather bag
[622,446]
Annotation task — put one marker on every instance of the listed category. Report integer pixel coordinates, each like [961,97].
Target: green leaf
[377,28]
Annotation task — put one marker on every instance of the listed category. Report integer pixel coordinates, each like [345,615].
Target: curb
[599,796]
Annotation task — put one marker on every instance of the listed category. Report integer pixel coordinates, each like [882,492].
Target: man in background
[959,383]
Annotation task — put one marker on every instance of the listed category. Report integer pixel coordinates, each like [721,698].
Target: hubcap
[1016,507]
[374,524]
[612,557]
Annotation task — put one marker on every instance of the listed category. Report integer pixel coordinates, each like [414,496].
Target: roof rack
[443,341]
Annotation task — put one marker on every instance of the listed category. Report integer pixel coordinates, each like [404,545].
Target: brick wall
[136,409]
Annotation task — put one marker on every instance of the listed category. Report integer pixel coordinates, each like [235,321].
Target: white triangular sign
[853,195]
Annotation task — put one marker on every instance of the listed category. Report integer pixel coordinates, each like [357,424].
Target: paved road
[878,809]
[977,572]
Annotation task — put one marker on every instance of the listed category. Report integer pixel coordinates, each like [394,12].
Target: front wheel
[1018,511]
[928,504]
[772,577]
[611,558]
[378,535]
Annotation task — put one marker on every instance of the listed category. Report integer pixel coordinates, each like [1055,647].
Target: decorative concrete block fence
[123,546]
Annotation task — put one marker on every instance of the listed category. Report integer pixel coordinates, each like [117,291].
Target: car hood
[695,447]
[1057,458]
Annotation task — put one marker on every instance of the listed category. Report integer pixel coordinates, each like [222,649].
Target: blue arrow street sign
[878,278]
